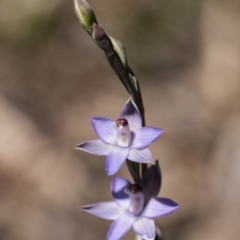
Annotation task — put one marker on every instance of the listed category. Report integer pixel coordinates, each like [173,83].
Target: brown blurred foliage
[53,78]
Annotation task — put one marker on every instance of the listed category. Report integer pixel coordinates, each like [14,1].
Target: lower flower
[130,209]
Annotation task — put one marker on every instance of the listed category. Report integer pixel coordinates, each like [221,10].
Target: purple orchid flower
[132,208]
[122,139]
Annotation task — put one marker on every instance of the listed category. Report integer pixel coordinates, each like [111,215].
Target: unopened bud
[120,51]
[85,15]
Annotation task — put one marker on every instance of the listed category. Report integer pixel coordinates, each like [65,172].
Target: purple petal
[159,207]
[105,210]
[118,191]
[131,113]
[145,228]
[105,129]
[120,227]
[151,181]
[116,159]
[140,155]
[97,147]
[145,136]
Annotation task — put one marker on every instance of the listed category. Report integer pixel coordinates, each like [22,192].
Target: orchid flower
[122,139]
[134,206]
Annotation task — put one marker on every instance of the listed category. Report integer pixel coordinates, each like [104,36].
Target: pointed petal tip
[80,208]
[161,132]
[110,172]
[127,102]
[79,146]
[94,118]
[86,207]
[76,147]
[132,102]
[96,147]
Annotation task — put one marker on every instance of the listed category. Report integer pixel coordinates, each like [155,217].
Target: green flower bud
[120,51]
[85,15]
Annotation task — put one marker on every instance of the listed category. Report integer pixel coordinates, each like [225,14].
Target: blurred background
[53,78]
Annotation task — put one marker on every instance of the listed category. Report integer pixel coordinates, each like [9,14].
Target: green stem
[104,42]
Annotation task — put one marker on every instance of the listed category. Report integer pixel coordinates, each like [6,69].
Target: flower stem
[118,61]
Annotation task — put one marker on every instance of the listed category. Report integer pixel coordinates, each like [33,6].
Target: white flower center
[123,132]
[136,197]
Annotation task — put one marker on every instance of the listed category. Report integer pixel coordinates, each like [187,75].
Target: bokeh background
[53,78]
